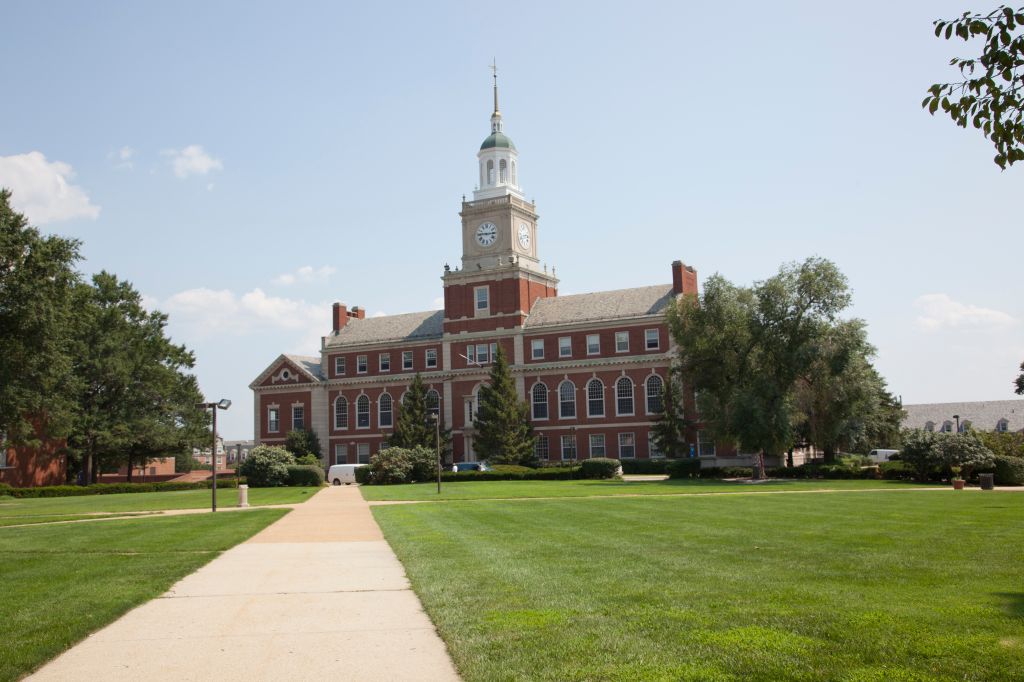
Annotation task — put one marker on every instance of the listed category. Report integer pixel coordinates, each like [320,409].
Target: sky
[246,164]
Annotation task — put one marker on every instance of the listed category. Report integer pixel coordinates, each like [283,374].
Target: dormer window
[929,426]
[947,426]
[1003,425]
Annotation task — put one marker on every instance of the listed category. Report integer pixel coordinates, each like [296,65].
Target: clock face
[486,234]
[524,235]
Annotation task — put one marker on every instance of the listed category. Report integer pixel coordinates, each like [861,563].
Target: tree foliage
[301,442]
[267,466]
[990,93]
[925,451]
[1018,384]
[669,430]
[37,278]
[413,426]
[502,422]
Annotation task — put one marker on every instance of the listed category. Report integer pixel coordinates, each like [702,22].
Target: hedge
[648,466]
[544,474]
[599,467]
[1007,470]
[305,474]
[684,468]
[112,488]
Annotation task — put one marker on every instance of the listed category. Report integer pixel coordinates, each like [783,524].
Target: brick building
[591,366]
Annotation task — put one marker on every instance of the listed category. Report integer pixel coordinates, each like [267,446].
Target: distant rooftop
[601,305]
[406,327]
[983,415]
[310,364]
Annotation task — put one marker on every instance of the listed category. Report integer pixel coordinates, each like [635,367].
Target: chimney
[684,278]
[340,315]
[357,312]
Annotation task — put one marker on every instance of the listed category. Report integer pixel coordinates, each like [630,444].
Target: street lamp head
[224,404]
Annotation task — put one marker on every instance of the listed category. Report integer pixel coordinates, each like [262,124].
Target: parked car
[470,466]
[880,456]
[343,473]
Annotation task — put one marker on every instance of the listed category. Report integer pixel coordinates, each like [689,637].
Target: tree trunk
[759,466]
[95,469]
[129,477]
[86,471]
[789,458]
[830,454]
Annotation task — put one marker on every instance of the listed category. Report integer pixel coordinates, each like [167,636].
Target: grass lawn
[16,511]
[484,490]
[62,582]
[841,586]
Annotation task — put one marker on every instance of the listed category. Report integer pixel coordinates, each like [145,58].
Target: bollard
[987,481]
[243,495]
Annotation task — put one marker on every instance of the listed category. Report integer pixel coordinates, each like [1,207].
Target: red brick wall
[506,298]
[284,402]
[419,359]
[32,467]
[607,340]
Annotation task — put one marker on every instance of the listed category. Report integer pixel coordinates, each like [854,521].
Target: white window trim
[627,433]
[547,402]
[647,396]
[631,413]
[380,362]
[567,339]
[652,446]
[621,350]
[340,359]
[604,412]
[561,448]
[299,407]
[369,413]
[363,362]
[594,352]
[412,360]
[657,339]
[700,446]
[533,349]
[381,424]
[486,309]
[277,409]
[590,445]
[341,449]
[368,452]
[427,356]
[343,427]
[575,401]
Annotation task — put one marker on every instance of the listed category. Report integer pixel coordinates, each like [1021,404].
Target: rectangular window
[651,339]
[482,298]
[654,452]
[705,444]
[565,347]
[597,445]
[431,358]
[481,353]
[385,362]
[537,349]
[340,453]
[298,418]
[273,420]
[627,446]
[541,448]
[621,342]
[362,453]
[470,354]
[339,365]
[494,352]
[593,344]
[360,364]
[406,359]
[568,447]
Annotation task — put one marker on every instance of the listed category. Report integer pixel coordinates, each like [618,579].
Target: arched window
[362,412]
[490,172]
[340,412]
[433,403]
[624,396]
[567,400]
[502,172]
[384,405]
[513,172]
[947,426]
[595,398]
[655,388]
[929,426]
[540,400]
[965,426]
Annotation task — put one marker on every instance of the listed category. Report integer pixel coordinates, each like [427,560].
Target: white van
[881,455]
[343,473]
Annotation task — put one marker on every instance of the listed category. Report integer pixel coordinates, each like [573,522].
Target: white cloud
[122,158]
[939,311]
[305,275]
[438,303]
[192,160]
[223,311]
[42,189]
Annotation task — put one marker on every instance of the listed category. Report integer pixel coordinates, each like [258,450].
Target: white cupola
[498,159]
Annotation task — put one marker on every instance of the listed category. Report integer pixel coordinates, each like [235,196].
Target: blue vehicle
[470,466]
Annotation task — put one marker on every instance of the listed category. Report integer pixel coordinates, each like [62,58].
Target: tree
[267,466]
[920,452]
[502,422]
[37,280]
[925,452]
[669,430]
[1019,383]
[302,443]
[744,349]
[413,426]
[134,398]
[990,93]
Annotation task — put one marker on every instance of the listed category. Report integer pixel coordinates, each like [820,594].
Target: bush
[390,465]
[896,471]
[646,466]
[304,474]
[112,488]
[726,472]
[267,466]
[1007,470]
[363,475]
[511,469]
[684,468]
[424,463]
[550,473]
[599,467]
[308,460]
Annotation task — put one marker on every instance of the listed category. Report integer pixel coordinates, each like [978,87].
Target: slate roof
[983,416]
[601,305]
[407,327]
[310,364]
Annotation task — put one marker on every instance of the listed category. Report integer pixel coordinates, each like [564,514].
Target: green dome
[497,140]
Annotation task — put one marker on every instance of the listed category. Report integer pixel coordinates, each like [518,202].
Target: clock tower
[501,275]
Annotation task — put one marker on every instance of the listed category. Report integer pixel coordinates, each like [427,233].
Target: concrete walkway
[317,595]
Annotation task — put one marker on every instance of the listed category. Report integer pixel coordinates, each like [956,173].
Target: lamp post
[957,418]
[222,404]
[575,452]
[437,445]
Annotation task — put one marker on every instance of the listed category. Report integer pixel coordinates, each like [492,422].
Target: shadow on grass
[1013,603]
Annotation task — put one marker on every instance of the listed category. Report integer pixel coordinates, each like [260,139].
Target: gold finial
[494,73]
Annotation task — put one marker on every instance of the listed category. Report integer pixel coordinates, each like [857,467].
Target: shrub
[363,474]
[390,465]
[549,473]
[511,469]
[726,472]
[267,466]
[424,463]
[1007,470]
[896,471]
[113,488]
[308,460]
[599,467]
[684,468]
[304,474]
[647,466]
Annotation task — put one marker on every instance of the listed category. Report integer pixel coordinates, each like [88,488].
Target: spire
[496,116]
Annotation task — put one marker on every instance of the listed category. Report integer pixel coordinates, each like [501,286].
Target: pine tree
[413,426]
[670,426]
[502,423]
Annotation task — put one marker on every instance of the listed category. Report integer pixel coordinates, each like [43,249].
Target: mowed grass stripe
[815,587]
[62,582]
